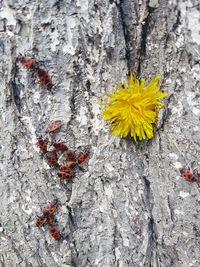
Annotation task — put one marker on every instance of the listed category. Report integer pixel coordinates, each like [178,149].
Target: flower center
[134,106]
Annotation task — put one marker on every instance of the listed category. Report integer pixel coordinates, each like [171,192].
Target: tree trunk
[129,207]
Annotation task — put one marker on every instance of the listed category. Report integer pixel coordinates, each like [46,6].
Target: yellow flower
[133,108]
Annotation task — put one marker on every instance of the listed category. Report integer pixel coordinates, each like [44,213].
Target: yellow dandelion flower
[133,108]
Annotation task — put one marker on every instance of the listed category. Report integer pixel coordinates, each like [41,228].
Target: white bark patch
[196,111]
[36,97]
[191,98]
[97,121]
[117,253]
[183,194]
[173,156]
[82,118]
[55,41]
[178,212]
[31,129]
[8,14]
[196,128]
[109,168]
[177,109]
[26,209]
[193,21]
[108,191]
[177,164]
[70,46]
[154,3]
[83,5]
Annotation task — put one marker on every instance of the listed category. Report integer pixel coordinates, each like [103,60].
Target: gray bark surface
[130,207]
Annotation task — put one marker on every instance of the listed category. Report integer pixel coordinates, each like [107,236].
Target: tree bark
[130,207]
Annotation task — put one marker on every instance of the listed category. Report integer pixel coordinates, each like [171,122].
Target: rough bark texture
[130,207]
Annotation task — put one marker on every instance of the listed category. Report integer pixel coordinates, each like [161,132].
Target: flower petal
[132,108]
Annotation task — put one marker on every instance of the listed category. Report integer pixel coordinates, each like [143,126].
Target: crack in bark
[178,21]
[144,34]
[145,28]
[15,90]
[125,32]
[166,113]
[151,224]
[115,245]
[74,251]
[74,94]
[170,209]
[90,93]
[2,261]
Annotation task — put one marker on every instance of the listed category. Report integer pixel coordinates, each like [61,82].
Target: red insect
[65,175]
[55,233]
[48,217]
[50,221]
[47,214]
[42,144]
[28,63]
[68,167]
[188,175]
[82,157]
[44,78]
[70,155]
[52,158]
[59,146]
[40,221]
[50,208]
[53,126]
